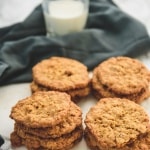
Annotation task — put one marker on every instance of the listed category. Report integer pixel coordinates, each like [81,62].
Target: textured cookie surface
[74,93]
[73,120]
[62,142]
[42,109]
[15,140]
[141,143]
[61,74]
[115,122]
[124,75]
[101,91]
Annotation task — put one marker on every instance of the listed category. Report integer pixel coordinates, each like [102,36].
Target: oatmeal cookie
[67,140]
[141,143]
[115,122]
[15,140]
[42,109]
[123,75]
[59,73]
[72,121]
[102,91]
[75,94]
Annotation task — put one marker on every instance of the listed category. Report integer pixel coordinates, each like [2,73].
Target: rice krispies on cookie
[61,74]
[121,77]
[117,124]
[46,120]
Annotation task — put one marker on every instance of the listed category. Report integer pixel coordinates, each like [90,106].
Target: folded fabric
[109,32]
[1,140]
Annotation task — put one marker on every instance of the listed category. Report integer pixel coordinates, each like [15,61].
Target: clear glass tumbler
[65,16]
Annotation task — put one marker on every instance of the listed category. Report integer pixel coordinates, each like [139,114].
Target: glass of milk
[65,16]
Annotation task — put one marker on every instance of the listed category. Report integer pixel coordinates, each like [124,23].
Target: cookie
[51,122]
[59,73]
[101,91]
[42,109]
[115,122]
[75,94]
[124,75]
[20,142]
[141,143]
[15,140]
[34,142]
[72,121]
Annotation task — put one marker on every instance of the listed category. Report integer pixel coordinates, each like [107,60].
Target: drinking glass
[65,16]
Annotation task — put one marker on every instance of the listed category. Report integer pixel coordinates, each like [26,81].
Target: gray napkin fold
[109,32]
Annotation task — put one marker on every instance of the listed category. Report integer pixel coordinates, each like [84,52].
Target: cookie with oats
[115,123]
[123,75]
[15,140]
[72,121]
[63,142]
[141,143]
[75,94]
[62,74]
[20,142]
[51,122]
[42,109]
[101,91]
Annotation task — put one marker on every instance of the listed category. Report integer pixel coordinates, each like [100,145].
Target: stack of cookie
[117,124]
[61,74]
[46,121]
[121,77]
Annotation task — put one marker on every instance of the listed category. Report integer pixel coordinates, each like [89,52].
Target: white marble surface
[13,11]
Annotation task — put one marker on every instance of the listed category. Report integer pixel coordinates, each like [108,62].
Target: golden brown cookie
[90,140]
[72,121]
[141,143]
[124,75]
[42,109]
[20,142]
[75,94]
[15,140]
[115,122]
[59,73]
[67,140]
[102,91]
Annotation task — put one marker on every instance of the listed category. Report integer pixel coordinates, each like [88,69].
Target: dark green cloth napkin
[109,32]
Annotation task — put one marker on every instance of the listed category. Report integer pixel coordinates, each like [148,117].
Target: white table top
[10,94]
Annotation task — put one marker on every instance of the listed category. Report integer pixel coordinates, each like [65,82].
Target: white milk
[66,16]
